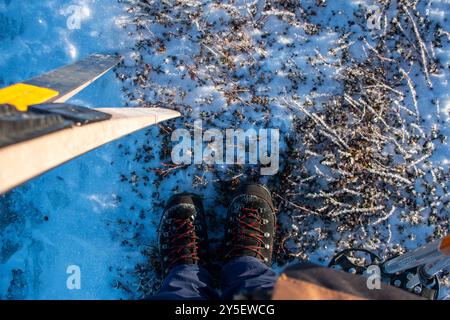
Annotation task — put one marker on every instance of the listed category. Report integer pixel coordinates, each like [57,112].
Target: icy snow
[98,212]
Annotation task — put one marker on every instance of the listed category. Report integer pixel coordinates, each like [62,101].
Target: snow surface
[78,198]
[100,211]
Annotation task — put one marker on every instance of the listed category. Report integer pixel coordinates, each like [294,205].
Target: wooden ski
[59,85]
[38,131]
[25,160]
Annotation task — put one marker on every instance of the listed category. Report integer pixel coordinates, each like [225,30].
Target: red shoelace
[191,248]
[239,237]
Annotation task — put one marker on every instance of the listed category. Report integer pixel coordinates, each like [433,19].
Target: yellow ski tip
[23,95]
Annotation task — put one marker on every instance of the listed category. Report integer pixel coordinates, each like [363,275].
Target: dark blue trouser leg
[245,274]
[187,282]
[193,282]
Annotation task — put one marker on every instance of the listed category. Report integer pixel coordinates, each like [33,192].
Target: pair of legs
[243,275]
[247,250]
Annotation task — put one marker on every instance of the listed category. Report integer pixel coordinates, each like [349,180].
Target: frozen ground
[235,64]
[60,219]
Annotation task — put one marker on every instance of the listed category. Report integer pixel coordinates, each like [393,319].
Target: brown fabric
[293,289]
[445,246]
[307,281]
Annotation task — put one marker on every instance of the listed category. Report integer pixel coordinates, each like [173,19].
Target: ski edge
[26,160]
[44,88]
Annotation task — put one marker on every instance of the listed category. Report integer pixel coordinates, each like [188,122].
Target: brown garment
[445,246]
[308,281]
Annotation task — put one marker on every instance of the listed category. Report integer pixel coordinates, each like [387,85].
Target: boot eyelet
[267,235]
[267,246]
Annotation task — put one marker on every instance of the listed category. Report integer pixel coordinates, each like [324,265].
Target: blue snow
[47,224]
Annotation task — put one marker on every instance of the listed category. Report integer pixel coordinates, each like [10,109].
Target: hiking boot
[182,232]
[250,226]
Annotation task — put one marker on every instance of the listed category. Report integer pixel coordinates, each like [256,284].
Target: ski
[39,131]
[25,160]
[427,254]
[58,85]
